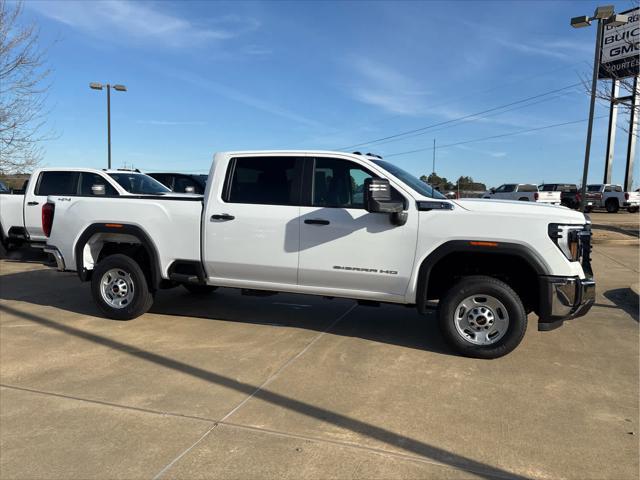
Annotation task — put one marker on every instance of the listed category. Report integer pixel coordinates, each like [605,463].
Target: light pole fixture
[119,88]
[605,15]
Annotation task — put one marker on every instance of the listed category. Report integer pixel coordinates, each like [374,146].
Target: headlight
[568,239]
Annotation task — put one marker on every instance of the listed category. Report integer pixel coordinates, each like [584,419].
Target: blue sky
[213,76]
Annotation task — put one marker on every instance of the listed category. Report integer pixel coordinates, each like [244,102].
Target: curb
[634,242]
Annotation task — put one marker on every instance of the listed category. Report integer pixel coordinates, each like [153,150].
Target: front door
[345,248]
[251,229]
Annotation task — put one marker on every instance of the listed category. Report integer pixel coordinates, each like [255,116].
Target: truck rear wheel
[119,288]
[612,206]
[482,317]
[633,209]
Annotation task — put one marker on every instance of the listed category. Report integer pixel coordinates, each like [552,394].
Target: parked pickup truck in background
[181,182]
[611,197]
[21,215]
[569,196]
[524,192]
[337,225]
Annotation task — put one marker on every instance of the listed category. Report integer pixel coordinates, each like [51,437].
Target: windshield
[412,181]
[594,188]
[139,184]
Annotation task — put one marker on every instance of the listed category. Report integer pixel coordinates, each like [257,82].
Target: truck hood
[513,207]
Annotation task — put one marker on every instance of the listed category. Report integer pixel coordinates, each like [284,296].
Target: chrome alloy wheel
[117,288]
[481,319]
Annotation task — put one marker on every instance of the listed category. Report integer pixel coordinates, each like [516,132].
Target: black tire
[142,298]
[199,289]
[612,206]
[633,209]
[523,199]
[482,285]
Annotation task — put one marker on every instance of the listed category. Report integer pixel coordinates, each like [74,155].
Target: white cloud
[240,97]
[121,20]
[381,86]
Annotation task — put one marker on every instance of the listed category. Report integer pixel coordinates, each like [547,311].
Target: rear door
[48,183]
[251,230]
[344,248]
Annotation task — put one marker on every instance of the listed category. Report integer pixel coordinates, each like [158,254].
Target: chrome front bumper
[57,255]
[563,298]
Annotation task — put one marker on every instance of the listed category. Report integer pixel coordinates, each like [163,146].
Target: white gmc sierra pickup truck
[338,225]
[21,214]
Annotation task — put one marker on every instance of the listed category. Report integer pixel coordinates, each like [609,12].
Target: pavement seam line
[374,450]
[262,385]
[172,462]
[274,375]
[626,267]
[106,404]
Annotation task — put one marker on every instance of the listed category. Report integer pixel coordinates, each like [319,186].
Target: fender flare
[533,259]
[132,230]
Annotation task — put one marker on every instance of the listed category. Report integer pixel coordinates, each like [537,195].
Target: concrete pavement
[290,386]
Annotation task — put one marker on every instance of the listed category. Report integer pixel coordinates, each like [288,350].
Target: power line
[473,119]
[446,122]
[491,137]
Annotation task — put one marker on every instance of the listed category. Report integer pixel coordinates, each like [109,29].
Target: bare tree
[23,89]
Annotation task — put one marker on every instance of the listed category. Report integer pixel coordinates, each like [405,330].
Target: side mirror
[189,189]
[377,199]
[98,189]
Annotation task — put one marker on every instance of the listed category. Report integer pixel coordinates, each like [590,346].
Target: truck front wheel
[482,317]
[119,288]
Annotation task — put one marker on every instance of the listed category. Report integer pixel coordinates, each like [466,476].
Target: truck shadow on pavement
[624,299]
[391,324]
[409,445]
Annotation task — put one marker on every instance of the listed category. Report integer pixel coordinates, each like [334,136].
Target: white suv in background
[525,192]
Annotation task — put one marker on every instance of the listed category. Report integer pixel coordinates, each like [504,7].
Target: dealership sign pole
[605,15]
[620,59]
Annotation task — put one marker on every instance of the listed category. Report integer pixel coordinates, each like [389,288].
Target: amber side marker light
[483,244]
[113,225]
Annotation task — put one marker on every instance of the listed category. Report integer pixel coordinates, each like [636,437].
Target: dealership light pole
[604,15]
[119,88]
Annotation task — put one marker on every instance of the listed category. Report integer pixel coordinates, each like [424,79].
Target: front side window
[139,184]
[88,180]
[263,181]
[58,183]
[410,180]
[338,183]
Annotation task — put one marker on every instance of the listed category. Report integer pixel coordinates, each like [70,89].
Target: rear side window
[617,188]
[264,181]
[527,188]
[58,183]
[88,180]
